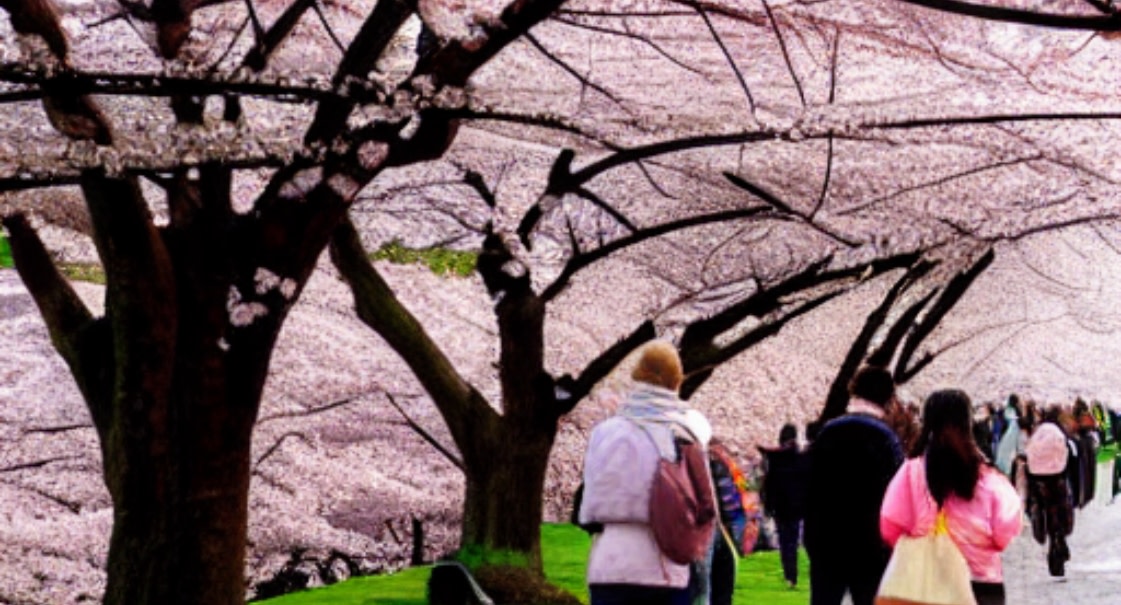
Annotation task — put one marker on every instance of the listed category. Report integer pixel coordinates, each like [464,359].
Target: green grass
[440,261]
[565,550]
[1107,453]
[5,252]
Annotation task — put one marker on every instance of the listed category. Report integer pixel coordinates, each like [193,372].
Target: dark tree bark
[903,337]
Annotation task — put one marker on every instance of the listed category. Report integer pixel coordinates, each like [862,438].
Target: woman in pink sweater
[947,471]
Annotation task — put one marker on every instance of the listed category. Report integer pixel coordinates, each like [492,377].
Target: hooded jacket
[619,470]
[981,527]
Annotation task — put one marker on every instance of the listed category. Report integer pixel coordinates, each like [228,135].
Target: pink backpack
[682,506]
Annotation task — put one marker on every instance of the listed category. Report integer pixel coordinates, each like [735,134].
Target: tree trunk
[180,484]
[504,497]
[186,547]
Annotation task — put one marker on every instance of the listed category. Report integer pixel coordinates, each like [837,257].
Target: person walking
[947,473]
[785,480]
[852,460]
[625,565]
[1050,502]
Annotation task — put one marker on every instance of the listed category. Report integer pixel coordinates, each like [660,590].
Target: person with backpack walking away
[947,475]
[1050,502]
[787,470]
[627,459]
[852,460]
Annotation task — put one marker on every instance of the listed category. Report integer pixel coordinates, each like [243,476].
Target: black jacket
[851,463]
[785,482]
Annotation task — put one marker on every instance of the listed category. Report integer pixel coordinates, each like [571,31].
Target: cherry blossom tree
[798,241]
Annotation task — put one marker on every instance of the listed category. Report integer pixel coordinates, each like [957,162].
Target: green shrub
[441,261]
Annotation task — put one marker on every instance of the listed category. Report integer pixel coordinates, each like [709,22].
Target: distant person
[947,472]
[786,479]
[1050,502]
[625,565]
[1013,439]
[852,460]
[983,431]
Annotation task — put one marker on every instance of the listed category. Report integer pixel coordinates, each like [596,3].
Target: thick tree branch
[463,408]
[454,62]
[1026,17]
[361,56]
[884,354]
[573,390]
[140,295]
[82,341]
[581,260]
[947,300]
[699,347]
[62,309]
[71,113]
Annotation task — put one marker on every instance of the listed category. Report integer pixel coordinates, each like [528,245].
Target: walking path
[1093,575]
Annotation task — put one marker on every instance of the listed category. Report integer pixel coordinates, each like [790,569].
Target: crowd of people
[882,472]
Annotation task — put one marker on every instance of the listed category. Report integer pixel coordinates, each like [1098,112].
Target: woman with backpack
[625,452]
[1050,505]
[947,474]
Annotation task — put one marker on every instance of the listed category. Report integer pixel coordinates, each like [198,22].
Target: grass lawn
[565,549]
[1107,453]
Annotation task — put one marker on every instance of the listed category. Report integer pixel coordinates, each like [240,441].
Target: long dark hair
[953,462]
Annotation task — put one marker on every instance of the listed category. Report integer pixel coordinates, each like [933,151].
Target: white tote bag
[927,570]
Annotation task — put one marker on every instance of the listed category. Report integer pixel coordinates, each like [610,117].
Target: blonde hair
[660,366]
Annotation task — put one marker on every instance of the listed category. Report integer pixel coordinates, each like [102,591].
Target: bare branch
[23,466]
[52,430]
[61,307]
[579,261]
[272,449]
[455,460]
[312,411]
[584,81]
[631,36]
[785,52]
[786,209]
[327,26]
[360,57]
[728,57]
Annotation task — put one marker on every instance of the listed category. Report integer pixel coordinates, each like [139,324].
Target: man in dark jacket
[784,496]
[852,461]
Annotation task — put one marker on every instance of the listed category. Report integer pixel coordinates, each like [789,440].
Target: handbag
[927,570]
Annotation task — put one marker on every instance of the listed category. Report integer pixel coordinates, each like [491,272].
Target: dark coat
[851,463]
[786,482]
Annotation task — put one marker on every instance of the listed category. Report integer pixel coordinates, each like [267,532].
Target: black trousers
[829,583]
[988,594]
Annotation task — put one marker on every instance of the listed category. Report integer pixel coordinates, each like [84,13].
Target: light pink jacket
[618,474]
[981,527]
